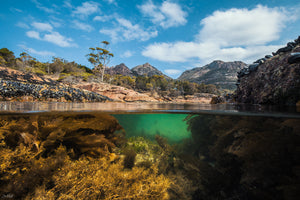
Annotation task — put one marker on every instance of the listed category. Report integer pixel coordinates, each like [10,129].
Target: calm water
[209,151]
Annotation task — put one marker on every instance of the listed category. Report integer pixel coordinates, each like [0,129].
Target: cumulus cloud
[82,26]
[22,25]
[44,32]
[125,30]
[242,26]
[127,54]
[111,2]
[67,4]
[43,8]
[58,39]
[104,18]
[42,26]
[56,22]
[173,52]
[235,34]
[167,15]
[86,9]
[172,72]
[33,34]
[35,52]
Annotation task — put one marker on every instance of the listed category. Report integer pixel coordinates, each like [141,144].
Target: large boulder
[275,81]
[116,93]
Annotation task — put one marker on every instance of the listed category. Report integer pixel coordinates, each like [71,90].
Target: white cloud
[174,14]
[33,34]
[22,25]
[52,37]
[58,39]
[125,30]
[86,9]
[127,54]
[67,4]
[166,15]
[35,52]
[104,18]
[235,34]
[41,7]
[45,32]
[42,26]
[172,52]
[172,72]
[111,1]
[82,26]
[152,11]
[55,23]
[242,26]
[16,10]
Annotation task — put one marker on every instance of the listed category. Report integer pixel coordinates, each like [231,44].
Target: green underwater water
[171,126]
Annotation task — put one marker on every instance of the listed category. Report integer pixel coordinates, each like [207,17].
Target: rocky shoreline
[21,86]
[273,80]
[13,90]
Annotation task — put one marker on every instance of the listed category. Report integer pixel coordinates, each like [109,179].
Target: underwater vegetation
[71,156]
[87,156]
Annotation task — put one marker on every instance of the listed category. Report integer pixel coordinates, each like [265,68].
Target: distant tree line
[161,85]
[69,71]
[58,66]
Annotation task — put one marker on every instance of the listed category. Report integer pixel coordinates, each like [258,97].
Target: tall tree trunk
[102,72]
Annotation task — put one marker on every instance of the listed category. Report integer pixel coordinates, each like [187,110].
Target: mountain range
[140,70]
[222,74]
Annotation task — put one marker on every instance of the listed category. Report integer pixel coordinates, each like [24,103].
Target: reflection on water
[148,151]
[239,109]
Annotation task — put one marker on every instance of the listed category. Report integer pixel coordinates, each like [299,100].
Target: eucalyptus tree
[100,57]
[7,57]
[25,57]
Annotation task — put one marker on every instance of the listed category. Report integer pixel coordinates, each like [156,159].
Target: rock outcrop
[16,75]
[222,74]
[116,93]
[272,80]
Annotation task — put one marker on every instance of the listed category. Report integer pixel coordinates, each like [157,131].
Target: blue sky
[172,35]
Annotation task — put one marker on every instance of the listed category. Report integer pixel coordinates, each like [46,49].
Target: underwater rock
[246,157]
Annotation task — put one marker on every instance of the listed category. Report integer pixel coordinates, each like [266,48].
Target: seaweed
[66,156]
[129,158]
